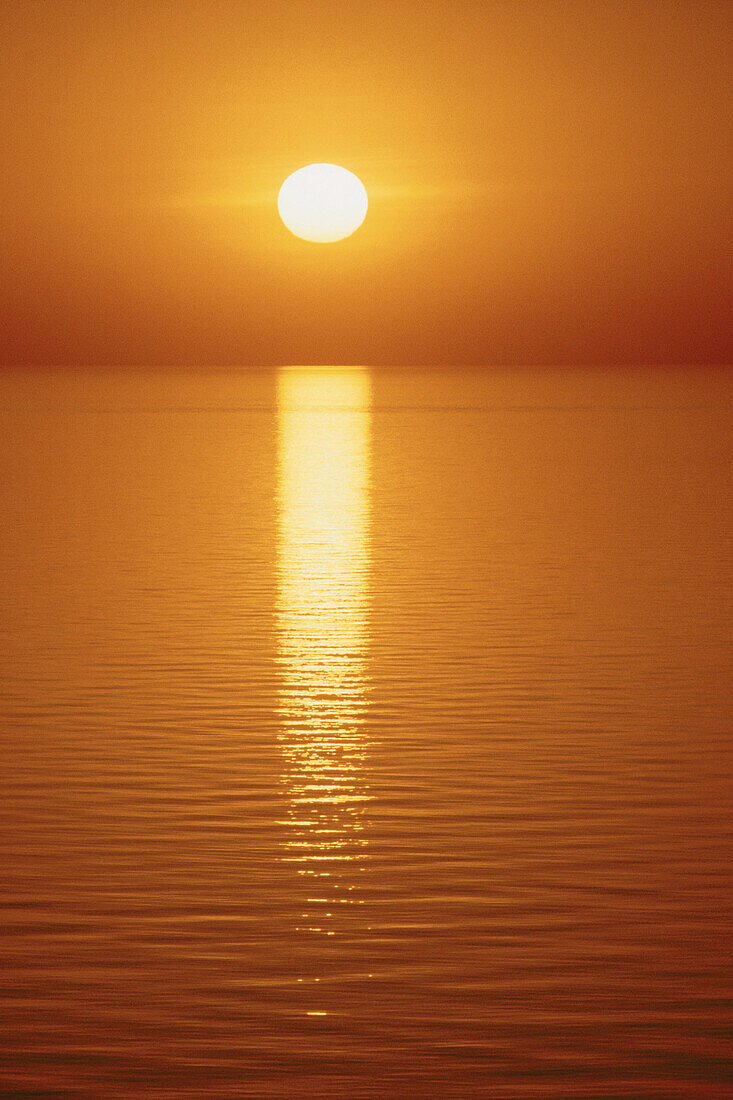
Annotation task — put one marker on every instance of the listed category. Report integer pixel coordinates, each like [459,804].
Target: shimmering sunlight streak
[323,591]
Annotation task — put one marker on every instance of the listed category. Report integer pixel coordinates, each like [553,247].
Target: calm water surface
[366,734]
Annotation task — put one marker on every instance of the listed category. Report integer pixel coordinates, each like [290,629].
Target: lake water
[366,734]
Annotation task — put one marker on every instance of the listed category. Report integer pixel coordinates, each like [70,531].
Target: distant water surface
[366,734]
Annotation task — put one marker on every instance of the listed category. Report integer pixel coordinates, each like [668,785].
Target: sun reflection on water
[323,589]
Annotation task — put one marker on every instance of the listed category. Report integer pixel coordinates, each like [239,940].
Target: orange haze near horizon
[547,182]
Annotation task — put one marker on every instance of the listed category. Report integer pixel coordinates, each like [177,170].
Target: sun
[322,203]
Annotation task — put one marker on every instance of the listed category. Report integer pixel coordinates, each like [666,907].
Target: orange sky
[549,181]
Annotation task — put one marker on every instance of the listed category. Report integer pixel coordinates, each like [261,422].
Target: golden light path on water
[322,619]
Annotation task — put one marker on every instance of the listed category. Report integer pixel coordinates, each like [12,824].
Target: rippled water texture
[366,734]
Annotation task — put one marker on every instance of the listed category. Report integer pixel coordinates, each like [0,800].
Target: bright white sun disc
[322,203]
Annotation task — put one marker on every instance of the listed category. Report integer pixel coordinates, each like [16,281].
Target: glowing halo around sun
[322,203]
